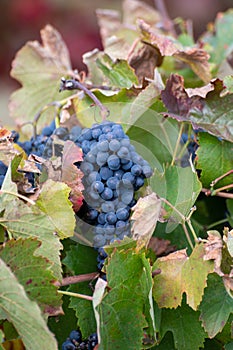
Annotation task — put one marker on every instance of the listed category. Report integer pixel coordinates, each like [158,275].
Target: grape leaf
[184,323]
[213,113]
[214,158]
[79,260]
[53,201]
[216,306]
[145,216]
[39,67]
[127,301]
[24,221]
[195,57]
[23,313]
[62,325]
[181,274]
[119,73]
[32,273]
[118,37]
[181,187]
[166,343]
[153,136]
[71,175]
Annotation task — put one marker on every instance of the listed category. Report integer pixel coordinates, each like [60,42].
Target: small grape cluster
[75,342]
[37,143]
[113,172]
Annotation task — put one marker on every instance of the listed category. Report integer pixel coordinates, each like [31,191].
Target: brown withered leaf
[166,44]
[196,58]
[161,246]
[200,91]
[144,59]
[213,250]
[176,98]
[71,175]
[38,67]
[146,213]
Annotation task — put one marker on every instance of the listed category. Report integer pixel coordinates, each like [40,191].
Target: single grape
[68,345]
[107,194]
[113,162]
[105,173]
[75,335]
[114,145]
[103,146]
[98,186]
[111,218]
[136,170]
[122,214]
[112,182]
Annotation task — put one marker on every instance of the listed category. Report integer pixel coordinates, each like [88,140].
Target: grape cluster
[36,144]
[113,172]
[75,342]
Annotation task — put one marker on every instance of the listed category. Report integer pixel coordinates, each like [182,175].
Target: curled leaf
[145,216]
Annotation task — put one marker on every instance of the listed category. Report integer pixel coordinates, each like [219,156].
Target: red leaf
[71,175]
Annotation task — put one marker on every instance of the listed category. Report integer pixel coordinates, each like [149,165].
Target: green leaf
[53,201]
[184,323]
[39,68]
[24,221]
[181,187]
[23,313]
[126,302]
[118,105]
[181,274]
[119,73]
[215,158]
[32,273]
[166,343]
[216,306]
[62,325]
[81,259]
[153,136]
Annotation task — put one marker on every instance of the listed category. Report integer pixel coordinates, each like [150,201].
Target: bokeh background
[21,20]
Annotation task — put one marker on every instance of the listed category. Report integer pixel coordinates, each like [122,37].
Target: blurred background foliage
[75,20]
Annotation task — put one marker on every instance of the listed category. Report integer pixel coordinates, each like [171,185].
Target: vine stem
[221,189]
[208,192]
[187,235]
[76,295]
[19,196]
[221,177]
[72,84]
[77,279]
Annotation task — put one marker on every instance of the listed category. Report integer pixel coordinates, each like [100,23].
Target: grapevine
[116,190]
